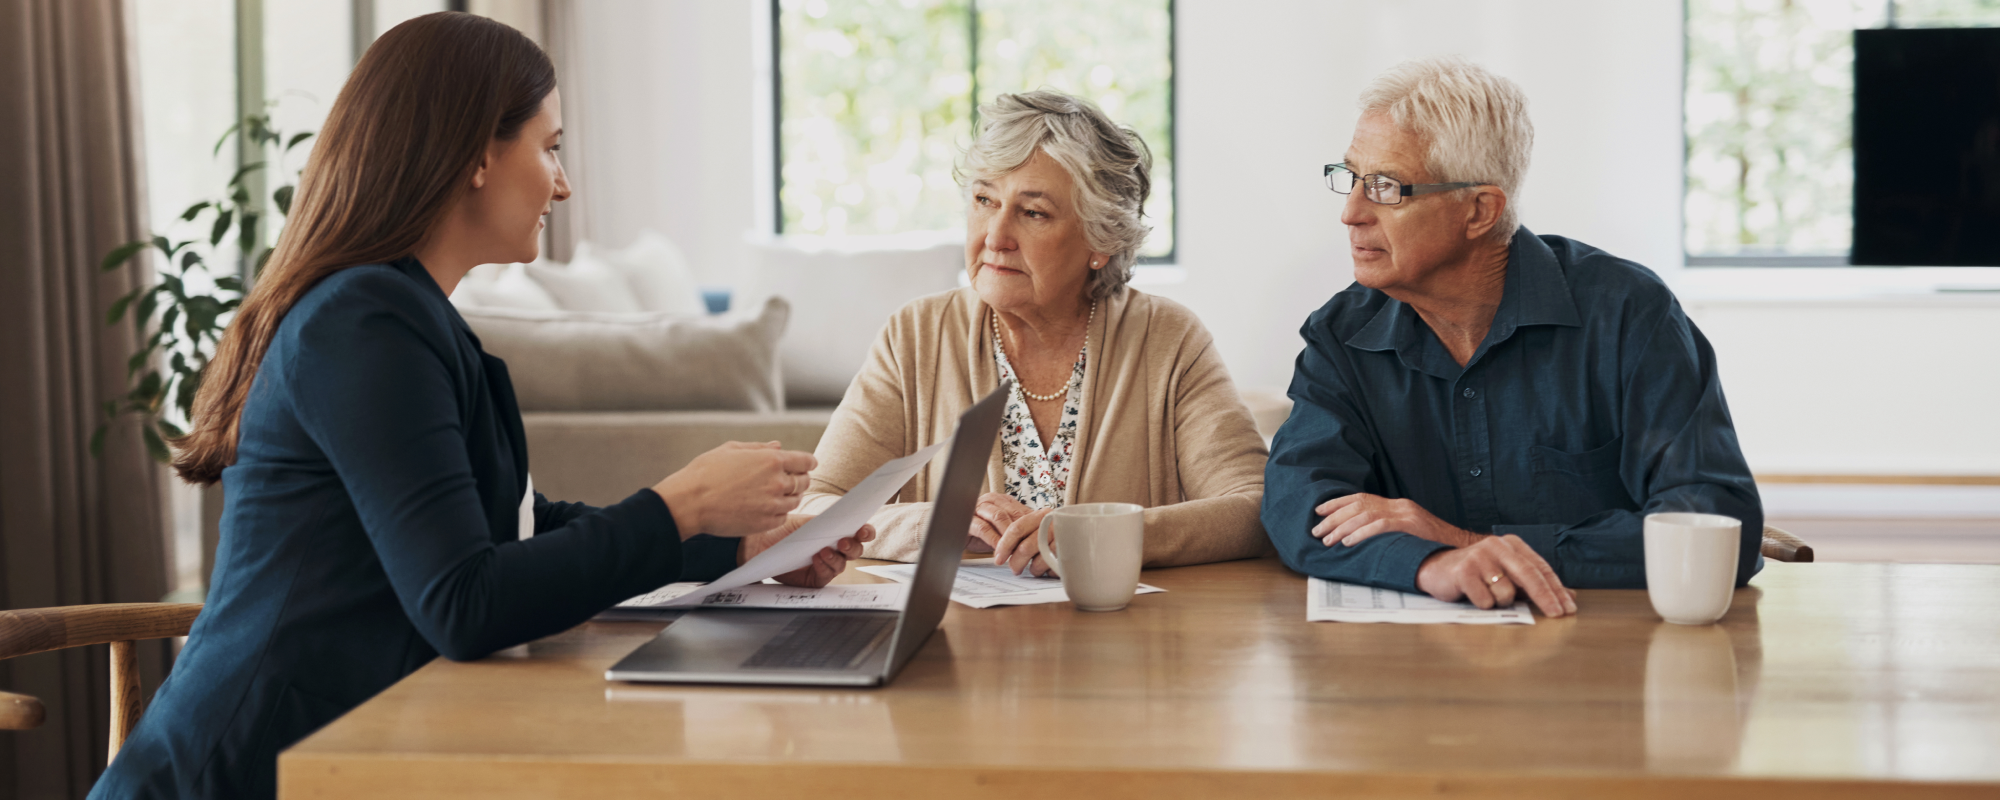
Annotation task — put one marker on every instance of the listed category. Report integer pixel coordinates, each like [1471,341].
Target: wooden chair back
[1780,545]
[35,630]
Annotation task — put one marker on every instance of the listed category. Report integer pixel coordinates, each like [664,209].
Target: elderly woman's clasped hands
[1006,527]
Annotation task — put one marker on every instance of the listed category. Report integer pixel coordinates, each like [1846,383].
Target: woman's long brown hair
[399,146]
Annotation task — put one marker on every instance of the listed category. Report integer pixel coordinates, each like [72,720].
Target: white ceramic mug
[1691,565]
[1102,545]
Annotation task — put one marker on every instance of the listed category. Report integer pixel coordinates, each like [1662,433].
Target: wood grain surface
[1824,680]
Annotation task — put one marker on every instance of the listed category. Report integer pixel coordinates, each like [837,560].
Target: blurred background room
[759,184]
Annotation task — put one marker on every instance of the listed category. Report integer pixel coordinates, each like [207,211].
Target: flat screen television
[1927,147]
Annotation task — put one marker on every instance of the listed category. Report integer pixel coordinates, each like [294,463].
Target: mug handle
[1042,542]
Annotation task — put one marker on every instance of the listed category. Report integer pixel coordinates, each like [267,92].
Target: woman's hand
[1017,549]
[990,518]
[737,489]
[826,564]
[1355,518]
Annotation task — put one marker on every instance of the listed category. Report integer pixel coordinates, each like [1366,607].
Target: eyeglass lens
[1387,191]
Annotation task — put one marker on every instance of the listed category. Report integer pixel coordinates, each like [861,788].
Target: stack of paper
[1329,601]
[984,584]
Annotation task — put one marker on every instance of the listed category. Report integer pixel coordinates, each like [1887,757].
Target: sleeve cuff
[705,558]
[1397,559]
[1540,538]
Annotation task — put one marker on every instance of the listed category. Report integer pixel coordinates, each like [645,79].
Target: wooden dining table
[1824,681]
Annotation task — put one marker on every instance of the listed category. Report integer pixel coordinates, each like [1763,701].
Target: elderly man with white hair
[1488,413]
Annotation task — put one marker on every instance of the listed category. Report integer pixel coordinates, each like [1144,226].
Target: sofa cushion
[657,271]
[841,297]
[502,286]
[577,361]
[586,284]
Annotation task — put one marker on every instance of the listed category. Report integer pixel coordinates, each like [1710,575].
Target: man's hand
[1018,549]
[991,516]
[826,564]
[1355,518]
[1490,572]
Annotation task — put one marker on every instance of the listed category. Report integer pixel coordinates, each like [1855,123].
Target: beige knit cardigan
[1162,425]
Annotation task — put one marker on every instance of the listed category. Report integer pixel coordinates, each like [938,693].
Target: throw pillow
[511,288]
[576,361]
[586,284]
[658,272]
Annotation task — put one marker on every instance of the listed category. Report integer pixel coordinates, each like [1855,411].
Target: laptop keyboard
[819,641]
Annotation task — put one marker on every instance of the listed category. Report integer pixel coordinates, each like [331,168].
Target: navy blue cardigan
[371,525]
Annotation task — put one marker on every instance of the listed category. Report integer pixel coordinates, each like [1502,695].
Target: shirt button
[1468,393]
[1475,472]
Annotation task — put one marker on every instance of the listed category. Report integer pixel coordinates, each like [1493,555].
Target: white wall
[1266,97]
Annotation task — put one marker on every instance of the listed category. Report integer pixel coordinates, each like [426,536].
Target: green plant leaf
[167,319]
[283,197]
[119,256]
[229,283]
[148,300]
[246,231]
[110,408]
[184,395]
[154,447]
[296,138]
[148,388]
[241,197]
[225,137]
[237,179]
[221,227]
[136,362]
[195,210]
[97,441]
[173,431]
[189,259]
[119,305]
[173,284]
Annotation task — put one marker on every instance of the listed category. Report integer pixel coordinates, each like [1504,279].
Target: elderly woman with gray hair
[1118,396]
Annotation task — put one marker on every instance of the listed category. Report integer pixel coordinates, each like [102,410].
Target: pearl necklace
[1064,389]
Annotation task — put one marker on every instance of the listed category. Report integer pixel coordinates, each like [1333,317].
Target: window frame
[777,101]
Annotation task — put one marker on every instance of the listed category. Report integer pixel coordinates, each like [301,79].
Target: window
[1768,114]
[875,99]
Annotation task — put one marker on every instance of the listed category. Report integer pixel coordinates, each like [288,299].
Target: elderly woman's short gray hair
[1474,124]
[1110,165]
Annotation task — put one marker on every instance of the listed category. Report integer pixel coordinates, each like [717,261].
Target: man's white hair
[1474,124]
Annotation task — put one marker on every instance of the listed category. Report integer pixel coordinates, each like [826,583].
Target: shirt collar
[1535,293]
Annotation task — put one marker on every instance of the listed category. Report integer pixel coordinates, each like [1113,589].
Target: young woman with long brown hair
[378,508]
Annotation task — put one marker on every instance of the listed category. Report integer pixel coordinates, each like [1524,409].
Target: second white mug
[1102,547]
[1691,565]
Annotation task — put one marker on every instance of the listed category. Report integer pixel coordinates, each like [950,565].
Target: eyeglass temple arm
[1412,190]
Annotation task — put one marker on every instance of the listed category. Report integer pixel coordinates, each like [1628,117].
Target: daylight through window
[875,99]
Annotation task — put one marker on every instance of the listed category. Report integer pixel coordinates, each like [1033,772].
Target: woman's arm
[371,383]
[1220,464]
[870,429]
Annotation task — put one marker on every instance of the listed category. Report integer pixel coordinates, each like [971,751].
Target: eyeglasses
[1382,188]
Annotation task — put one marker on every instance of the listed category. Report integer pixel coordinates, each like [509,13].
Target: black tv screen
[1927,147]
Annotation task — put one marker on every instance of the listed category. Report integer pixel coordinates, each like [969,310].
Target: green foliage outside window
[876,99]
[1769,114]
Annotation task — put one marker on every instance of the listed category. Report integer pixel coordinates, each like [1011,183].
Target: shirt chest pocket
[1571,486]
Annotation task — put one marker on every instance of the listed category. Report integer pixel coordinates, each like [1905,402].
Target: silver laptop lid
[950,526]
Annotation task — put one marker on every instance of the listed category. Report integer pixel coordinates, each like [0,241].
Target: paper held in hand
[1329,601]
[844,518]
[984,584]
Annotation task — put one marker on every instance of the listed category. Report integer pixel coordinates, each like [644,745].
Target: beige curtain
[73,529]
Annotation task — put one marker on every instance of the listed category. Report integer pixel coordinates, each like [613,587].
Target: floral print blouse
[1036,477]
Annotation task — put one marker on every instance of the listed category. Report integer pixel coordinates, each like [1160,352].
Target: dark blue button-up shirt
[1593,402]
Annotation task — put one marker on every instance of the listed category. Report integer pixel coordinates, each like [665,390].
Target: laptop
[834,648]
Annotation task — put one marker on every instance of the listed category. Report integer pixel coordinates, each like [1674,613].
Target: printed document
[843,519]
[984,584]
[863,596]
[1329,601]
